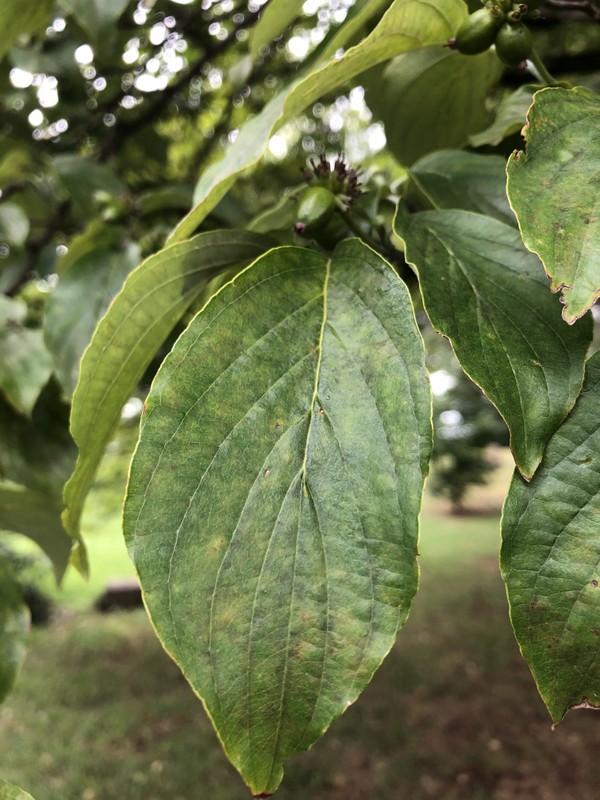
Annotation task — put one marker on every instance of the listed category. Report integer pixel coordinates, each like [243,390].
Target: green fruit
[315,209]
[477,33]
[513,43]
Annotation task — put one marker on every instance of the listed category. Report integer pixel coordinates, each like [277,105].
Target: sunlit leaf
[152,301]
[488,294]
[553,189]
[276,17]
[274,496]
[407,24]
[358,18]
[551,559]
[10,792]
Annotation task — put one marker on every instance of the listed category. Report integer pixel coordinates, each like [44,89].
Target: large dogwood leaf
[487,293]
[272,507]
[553,189]
[551,559]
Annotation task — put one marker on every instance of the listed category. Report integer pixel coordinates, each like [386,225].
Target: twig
[587,7]
[128,127]
[11,188]
[35,246]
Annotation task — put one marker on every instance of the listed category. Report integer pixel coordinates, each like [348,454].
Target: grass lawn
[101,713]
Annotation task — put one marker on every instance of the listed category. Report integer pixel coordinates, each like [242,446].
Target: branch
[10,189]
[128,127]
[35,246]
[578,7]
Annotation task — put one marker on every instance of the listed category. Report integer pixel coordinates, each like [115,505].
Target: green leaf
[14,628]
[25,365]
[510,118]
[14,224]
[140,318]
[456,179]
[272,508]
[357,21]
[79,301]
[553,189]
[37,452]
[37,515]
[551,557]
[172,196]
[483,290]
[10,792]
[96,16]
[83,180]
[406,25]
[432,98]
[277,16]
[22,16]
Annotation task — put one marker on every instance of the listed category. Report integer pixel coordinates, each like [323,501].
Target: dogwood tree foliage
[154,226]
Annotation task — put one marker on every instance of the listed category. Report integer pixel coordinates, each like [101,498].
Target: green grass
[101,713]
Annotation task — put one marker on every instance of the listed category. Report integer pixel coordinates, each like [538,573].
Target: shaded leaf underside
[551,559]
[273,501]
[441,95]
[455,179]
